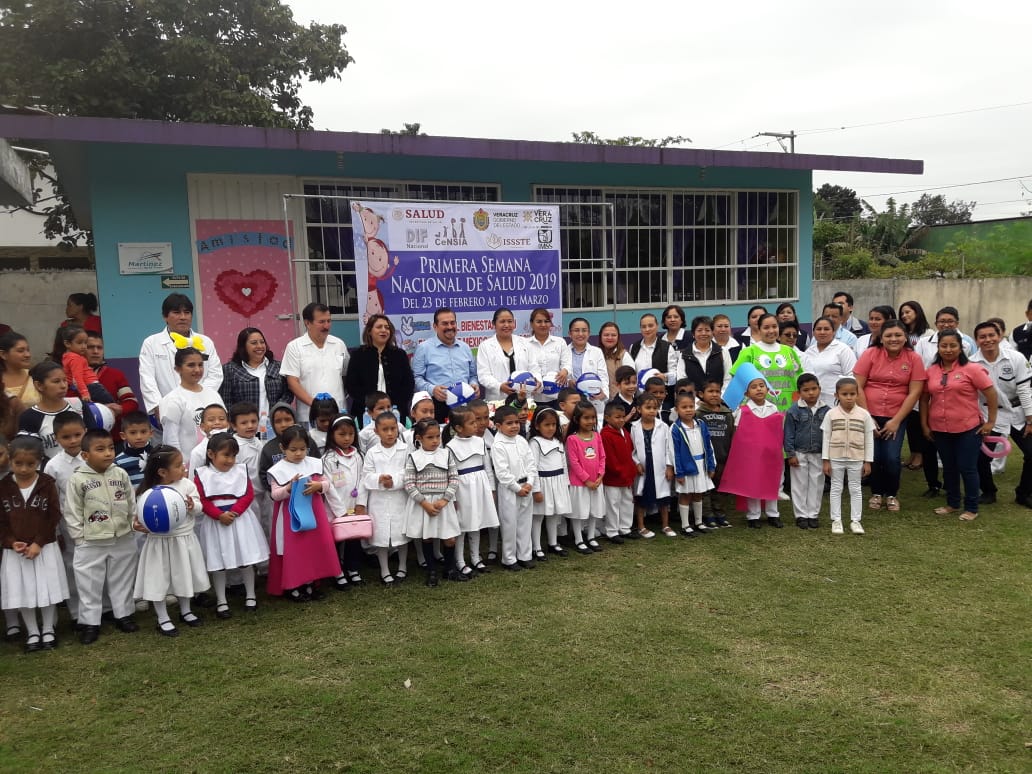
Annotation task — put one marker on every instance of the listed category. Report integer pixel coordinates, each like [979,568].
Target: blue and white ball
[98,415]
[460,393]
[644,375]
[522,379]
[589,383]
[161,509]
[549,386]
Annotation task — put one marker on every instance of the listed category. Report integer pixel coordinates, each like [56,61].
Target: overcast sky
[715,72]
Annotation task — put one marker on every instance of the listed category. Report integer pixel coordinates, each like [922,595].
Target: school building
[713,231]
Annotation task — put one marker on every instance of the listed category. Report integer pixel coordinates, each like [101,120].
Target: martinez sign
[144,257]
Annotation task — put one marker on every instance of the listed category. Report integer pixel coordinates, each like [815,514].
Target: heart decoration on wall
[246,294]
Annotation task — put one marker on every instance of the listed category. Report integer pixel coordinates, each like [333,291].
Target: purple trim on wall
[116,130]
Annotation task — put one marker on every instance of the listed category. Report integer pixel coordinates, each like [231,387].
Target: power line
[942,187]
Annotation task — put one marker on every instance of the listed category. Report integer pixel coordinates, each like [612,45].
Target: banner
[412,258]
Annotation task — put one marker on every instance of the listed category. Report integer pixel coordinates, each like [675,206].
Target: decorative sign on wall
[144,257]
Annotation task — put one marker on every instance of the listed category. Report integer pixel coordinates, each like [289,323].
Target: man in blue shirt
[442,361]
[836,314]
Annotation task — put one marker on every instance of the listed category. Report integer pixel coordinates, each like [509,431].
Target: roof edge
[131,131]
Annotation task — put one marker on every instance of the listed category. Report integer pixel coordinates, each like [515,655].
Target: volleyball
[549,387]
[161,509]
[97,415]
[644,375]
[460,393]
[589,383]
[522,379]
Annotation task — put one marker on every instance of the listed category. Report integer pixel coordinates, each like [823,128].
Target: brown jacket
[34,521]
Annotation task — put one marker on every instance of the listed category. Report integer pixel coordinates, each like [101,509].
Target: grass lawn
[905,650]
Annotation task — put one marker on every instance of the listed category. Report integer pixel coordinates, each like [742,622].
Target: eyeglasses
[789,335]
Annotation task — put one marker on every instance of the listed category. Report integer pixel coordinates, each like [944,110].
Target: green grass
[905,650]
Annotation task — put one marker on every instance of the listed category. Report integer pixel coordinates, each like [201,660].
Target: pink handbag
[351,527]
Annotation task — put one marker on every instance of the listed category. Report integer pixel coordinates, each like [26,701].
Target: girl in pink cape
[754,464]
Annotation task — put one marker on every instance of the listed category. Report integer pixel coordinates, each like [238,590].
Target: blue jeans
[887,465]
[959,453]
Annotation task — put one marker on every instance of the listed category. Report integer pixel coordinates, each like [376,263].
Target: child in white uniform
[383,478]
[552,494]
[171,562]
[431,482]
[342,474]
[475,500]
[690,458]
[516,473]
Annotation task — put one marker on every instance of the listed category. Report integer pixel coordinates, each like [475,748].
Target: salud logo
[481,220]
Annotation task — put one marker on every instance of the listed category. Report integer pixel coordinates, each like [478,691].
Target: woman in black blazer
[379,364]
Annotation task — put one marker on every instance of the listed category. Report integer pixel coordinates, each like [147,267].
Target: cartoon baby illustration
[378,261]
[370,220]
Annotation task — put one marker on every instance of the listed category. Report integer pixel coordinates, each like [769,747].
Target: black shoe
[354,579]
[710,522]
[558,550]
[400,576]
[32,644]
[12,633]
[204,599]
[457,576]
[752,523]
[540,556]
[1025,500]
[594,546]
[432,578]
[514,567]
[387,580]
[987,498]
[932,492]
[617,540]
[49,641]
[687,532]
[222,611]
[191,619]
[342,583]
[127,625]
[89,634]
[812,523]
[250,605]
[722,521]
[482,568]
[632,535]
[167,629]
[801,523]
[582,548]
[775,522]
[297,595]
[527,564]
[314,592]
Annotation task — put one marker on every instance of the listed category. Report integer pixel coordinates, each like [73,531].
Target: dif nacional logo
[481,220]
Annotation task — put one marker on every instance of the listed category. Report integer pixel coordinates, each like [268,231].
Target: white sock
[28,615]
[592,526]
[184,605]
[419,552]
[460,550]
[438,553]
[474,547]
[535,531]
[381,557]
[403,557]
[161,611]
[218,578]
[577,530]
[492,540]
[49,615]
[697,511]
[552,529]
[685,512]
[247,573]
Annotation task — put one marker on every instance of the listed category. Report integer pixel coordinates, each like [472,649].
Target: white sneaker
[836,527]
[784,497]
[856,528]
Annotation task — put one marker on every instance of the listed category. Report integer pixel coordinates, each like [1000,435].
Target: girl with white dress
[231,535]
[474,501]
[552,498]
[170,562]
[650,437]
[342,473]
[180,411]
[383,478]
[690,457]
[431,483]
[32,572]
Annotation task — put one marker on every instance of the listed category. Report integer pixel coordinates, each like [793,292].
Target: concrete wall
[33,303]
[975,299]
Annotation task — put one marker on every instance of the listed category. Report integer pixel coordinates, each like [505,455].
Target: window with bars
[331,249]
[677,246]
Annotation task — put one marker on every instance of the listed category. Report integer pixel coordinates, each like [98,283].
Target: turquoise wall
[139,194]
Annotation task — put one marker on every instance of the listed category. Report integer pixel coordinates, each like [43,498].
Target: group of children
[536,478]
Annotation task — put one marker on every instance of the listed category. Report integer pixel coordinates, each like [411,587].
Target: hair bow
[323,396]
[182,342]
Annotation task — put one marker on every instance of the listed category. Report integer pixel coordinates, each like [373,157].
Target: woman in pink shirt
[950,415]
[890,376]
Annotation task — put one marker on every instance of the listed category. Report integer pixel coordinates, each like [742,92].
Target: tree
[934,211]
[836,202]
[411,130]
[238,62]
[590,138]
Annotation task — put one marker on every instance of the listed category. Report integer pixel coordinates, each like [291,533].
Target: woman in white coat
[549,353]
[587,358]
[501,355]
[828,358]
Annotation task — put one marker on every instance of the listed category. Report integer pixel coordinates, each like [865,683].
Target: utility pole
[780,137]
